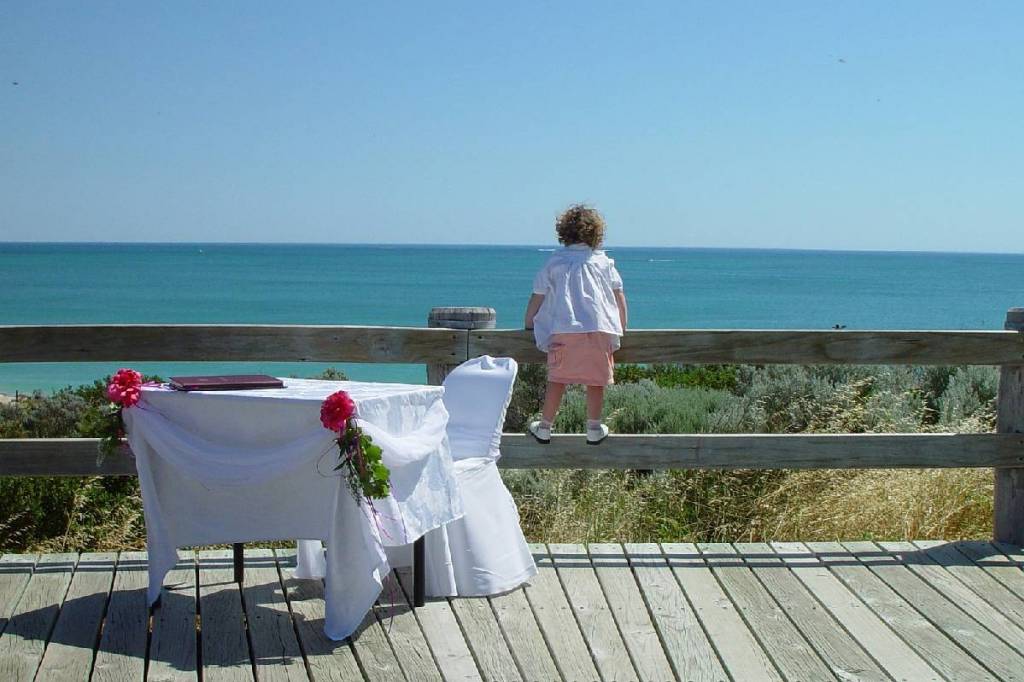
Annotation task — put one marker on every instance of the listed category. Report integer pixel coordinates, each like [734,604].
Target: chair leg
[239,555]
[419,576]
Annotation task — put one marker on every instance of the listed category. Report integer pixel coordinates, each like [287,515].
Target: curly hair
[580,224]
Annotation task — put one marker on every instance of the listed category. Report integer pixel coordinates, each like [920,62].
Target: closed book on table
[225,382]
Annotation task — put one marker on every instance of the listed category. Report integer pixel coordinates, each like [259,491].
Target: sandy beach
[6,399]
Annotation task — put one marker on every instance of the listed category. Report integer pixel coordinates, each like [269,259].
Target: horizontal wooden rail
[77,456]
[296,343]
[229,342]
[788,347]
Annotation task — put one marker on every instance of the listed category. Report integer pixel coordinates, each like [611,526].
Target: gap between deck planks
[749,611]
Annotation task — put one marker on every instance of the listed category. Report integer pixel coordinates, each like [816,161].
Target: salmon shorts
[584,358]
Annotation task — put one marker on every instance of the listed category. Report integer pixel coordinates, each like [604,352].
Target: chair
[484,552]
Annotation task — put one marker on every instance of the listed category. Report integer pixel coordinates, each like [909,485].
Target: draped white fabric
[240,466]
[484,552]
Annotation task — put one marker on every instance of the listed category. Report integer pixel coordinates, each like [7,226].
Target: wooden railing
[456,334]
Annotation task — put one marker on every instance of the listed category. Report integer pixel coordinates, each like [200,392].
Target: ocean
[46,283]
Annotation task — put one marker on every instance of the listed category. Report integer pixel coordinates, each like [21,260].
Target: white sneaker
[596,434]
[541,431]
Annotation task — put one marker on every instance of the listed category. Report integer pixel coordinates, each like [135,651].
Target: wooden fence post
[1009,484]
[457,318]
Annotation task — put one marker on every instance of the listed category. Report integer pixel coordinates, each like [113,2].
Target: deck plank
[328,661]
[15,572]
[996,564]
[927,639]
[630,611]
[740,652]
[918,561]
[985,647]
[556,620]
[173,648]
[485,639]
[686,644]
[69,654]
[593,614]
[525,640]
[23,641]
[793,655]
[869,629]
[976,578]
[443,636]
[842,653]
[224,644]
[396,617]
[121,655]
[275,648]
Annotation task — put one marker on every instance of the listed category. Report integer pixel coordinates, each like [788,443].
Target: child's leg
[595,402]
[552,400]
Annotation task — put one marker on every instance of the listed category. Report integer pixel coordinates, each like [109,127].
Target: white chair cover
[484,552]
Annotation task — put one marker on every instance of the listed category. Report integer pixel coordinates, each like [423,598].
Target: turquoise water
[397,285]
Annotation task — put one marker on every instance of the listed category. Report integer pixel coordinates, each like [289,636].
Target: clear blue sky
[845,125]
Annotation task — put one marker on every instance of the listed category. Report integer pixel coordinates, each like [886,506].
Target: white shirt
[578,285]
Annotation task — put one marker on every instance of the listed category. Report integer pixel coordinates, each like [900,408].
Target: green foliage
[332,374]
[680,376]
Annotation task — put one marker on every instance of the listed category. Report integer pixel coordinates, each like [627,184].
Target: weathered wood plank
[480,627]
[23,641]
[275,648]
[556,620]
[224,644]
[77,456]
[328,661]
[69,654]
[917,560]
[443,635]
[399,622]
[630,611]
[763,451]
[739,650]
[15,572]
[374,654]
[891,652]
[794,657]
[689,651]
[121,656]
[784,347]
[592,611]
[1008,502]
[981,644]
[525,641]
[173,649]
[228,343]
[842,654]
[976,578]
[997,565]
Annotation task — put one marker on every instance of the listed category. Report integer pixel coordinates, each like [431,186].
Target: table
[241,466]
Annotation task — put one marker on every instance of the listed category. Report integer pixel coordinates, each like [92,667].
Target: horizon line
[546,246]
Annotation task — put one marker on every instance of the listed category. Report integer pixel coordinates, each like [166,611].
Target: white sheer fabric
[484,552]
[240,466]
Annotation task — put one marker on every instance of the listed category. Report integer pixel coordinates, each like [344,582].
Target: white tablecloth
[241,466]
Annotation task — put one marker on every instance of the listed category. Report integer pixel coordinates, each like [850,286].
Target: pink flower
[125,387]
[336,410]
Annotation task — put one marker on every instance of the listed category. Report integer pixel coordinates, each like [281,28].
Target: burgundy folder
[229,382]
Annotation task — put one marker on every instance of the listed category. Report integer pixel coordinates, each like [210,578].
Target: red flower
[125,387]
[336,410]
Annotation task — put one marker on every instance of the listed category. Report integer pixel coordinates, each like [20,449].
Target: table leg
[419,578]
[239,552]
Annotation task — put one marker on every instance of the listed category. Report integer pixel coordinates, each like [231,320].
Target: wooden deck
[789,611]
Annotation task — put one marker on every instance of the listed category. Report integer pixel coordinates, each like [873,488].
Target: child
[577,313]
